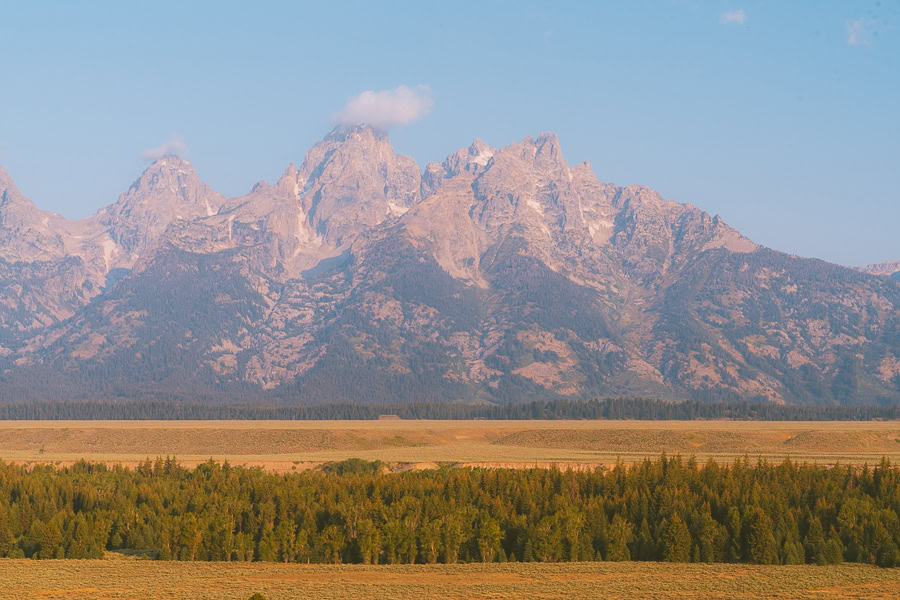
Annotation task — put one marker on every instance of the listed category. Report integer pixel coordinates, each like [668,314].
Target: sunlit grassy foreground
[108,579]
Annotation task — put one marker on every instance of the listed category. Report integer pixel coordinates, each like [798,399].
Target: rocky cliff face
[27,233]
[45,275]
[890,268]
[499,274]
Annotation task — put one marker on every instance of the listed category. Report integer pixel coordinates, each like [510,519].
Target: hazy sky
[782,117]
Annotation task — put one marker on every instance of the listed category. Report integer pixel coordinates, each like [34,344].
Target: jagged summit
[167,190]
[26,232]
[166,171]
[6,182]
[170,158]
[345,132]
[474,158]
[289,179]
[352,180]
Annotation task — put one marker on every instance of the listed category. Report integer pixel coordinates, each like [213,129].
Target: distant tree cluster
[355,512]
[613,408]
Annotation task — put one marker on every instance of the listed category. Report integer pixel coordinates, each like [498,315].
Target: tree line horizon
[595,409]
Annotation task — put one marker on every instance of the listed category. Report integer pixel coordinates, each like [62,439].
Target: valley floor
[108,579]
[286,446]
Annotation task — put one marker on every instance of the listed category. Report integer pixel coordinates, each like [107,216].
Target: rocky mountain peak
[167,171]
[543,153]
[347,141]
[26,232]
[11,199]
[6,181]
[168,190]
[523,169]
[473,160]
[548,154]
[288,180]
[12,202]
[352,180]
[360,132]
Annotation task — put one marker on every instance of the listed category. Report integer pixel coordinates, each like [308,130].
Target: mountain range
[498,275]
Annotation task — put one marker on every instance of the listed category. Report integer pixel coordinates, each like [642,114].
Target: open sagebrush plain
[108,579]
[294,445]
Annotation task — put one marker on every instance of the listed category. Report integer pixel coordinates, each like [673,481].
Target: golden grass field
[109,579]
[294,445]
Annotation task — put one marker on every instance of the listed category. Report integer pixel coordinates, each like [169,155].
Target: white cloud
[737,17]
[387,108]
[173,146]
[858,32]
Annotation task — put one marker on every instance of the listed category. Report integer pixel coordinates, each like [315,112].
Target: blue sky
[782,117]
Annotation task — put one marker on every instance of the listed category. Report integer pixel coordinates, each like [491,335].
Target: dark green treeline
[609,408]
[668,509]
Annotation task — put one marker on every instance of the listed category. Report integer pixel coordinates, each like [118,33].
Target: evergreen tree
[332,543]
[5,540]
[302,550]
[573,526]
[834,550]
[676,540]
[452,536]
[286,539]
[190,538]
[430,541]
[815,543]
[761,547]
[620,534]
[792,553]
[528,554]
[711,539]
[734,524]
[267,546]
[547,540]
[644,546]
[888,555]
[31,542]
[369,542]
[488,539]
